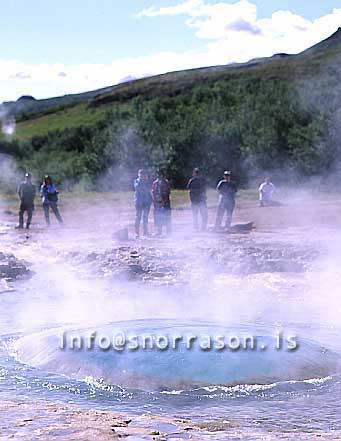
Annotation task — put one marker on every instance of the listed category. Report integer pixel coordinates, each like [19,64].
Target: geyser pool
[163,355]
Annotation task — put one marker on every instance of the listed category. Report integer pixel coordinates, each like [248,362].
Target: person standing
[266,191]
[197,193]
[161,191]
[27,193]
[227,194]
[143,201]
[49,197]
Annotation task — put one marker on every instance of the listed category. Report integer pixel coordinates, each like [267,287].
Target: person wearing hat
[197,193]
[143,201]
[49,197]
[27,193]
[227,194]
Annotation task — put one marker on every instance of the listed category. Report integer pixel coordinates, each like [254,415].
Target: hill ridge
[19,107]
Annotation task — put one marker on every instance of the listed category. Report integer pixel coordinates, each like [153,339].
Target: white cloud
[44,80]
[20,76]
[239,35]
[186,7]
[229,33]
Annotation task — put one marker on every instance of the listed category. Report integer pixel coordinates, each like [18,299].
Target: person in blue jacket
[49,197]
[143,201]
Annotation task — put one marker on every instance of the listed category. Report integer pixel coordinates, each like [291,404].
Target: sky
[51,48]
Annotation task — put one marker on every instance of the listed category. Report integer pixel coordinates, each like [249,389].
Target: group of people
[227,190]
[158,194]
[27,194]
[151,192]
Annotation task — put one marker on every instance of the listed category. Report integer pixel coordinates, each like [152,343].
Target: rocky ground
[284,240]
[167,265]
[11,269]
[44,420]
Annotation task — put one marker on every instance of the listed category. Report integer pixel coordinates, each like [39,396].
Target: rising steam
[8,125]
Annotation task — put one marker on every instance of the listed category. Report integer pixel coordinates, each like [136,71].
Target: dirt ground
[90,223]
[100,213]
[48,421]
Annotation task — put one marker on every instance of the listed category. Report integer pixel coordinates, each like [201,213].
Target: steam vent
[170,228]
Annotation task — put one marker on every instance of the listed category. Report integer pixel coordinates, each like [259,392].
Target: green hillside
[278,115]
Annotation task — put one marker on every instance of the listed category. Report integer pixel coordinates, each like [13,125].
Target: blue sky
[50,48]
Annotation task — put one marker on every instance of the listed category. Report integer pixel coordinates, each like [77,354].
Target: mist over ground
[278,118]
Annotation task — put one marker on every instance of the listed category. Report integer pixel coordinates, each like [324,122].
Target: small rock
[122,234]
[120,423]
[137,269]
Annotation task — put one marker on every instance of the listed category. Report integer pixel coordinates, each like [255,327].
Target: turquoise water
[291,390]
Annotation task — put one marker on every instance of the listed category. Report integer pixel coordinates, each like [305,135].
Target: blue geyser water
[272,389]
[219,355]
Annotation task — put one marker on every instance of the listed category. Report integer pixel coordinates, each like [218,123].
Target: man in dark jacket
[27,193]
[143,201]
[161,191]
[227,193]
[197,193]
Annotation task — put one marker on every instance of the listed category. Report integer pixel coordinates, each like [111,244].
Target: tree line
[252,126]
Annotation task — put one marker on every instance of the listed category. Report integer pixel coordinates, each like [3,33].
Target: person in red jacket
[161,191]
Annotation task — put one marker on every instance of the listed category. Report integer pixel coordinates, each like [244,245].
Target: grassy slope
[323,59]
[73,116]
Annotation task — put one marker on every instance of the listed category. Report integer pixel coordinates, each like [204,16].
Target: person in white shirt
[266,191]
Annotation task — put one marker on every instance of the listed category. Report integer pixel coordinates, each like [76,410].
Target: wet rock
[178,264]
[285,266]
[5,286]
[120,423]
[243,260]
[136,269]
[134,254]
[91,257]
[12,268]
[216,426]
[241,228]
[127,263]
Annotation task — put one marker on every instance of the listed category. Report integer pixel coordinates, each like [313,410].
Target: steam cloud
[7,123]
[9,173]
